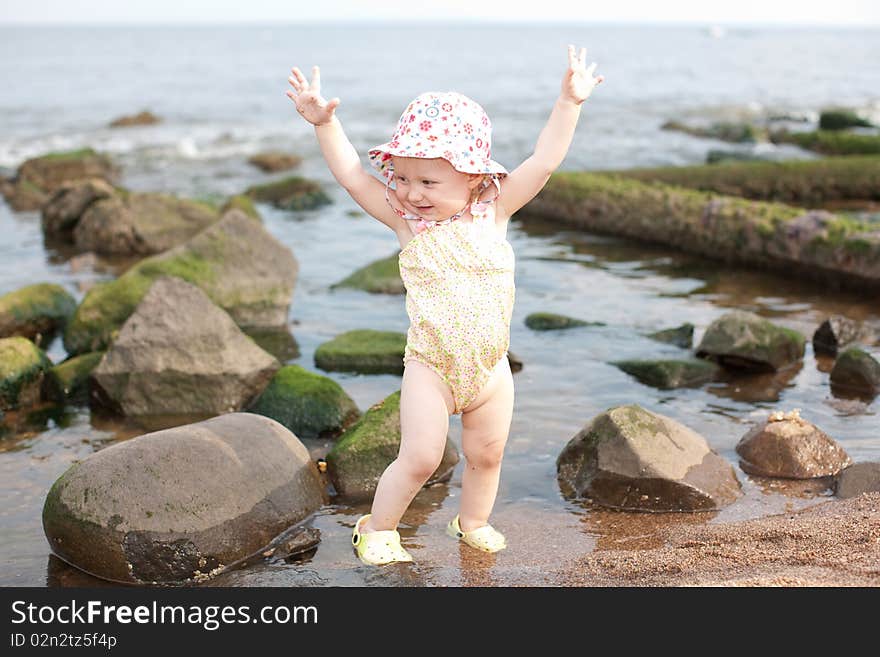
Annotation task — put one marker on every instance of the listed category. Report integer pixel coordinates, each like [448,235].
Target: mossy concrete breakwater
[812,243]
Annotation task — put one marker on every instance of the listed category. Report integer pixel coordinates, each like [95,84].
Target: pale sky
[775,12]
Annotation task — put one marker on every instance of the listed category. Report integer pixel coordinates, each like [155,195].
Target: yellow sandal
[485,538]
[379,547]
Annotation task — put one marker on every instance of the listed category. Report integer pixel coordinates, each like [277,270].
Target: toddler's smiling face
[431,188]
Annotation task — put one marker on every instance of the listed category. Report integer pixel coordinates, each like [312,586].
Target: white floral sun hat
[444,125]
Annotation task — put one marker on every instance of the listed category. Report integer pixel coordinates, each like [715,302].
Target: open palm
[308,99]
[579,81]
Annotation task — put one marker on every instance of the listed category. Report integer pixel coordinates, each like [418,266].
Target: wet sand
[834,543]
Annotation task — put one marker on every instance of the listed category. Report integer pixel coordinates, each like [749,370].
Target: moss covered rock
[310,405]
[243,203]
[553,322]
[292,193]
[742,340]
[362,453]
[68,382]
[666,374]
[140,224]
[235,261]
[630,458]
[813,244]
[857,371]
[36,311]
[808,183]
[39,177]
[363,350]
[830,142]
[841,119]
[379,277]
[141,118]
[23,366]
[723,131]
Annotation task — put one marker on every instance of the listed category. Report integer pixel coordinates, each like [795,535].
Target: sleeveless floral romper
[459,298]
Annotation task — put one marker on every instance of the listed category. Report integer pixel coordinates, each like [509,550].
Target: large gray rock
[178,353]
[362,453]
[742,340]
[786,445]
[669,373]
[630,458]
[63,209]
[183,503]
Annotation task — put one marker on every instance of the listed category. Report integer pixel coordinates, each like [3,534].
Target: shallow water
[566,379]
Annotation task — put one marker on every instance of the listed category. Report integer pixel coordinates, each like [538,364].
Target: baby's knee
[488,455]
[421,465]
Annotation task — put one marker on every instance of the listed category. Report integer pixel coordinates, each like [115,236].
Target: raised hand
[307,97]
[578,82]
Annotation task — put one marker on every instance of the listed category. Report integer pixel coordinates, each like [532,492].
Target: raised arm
[338,152]
[529,178]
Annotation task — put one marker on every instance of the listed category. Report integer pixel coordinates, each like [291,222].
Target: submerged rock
[379,277]
[141,118]
[681,336]
[271,161]
[554,322]
[235,261]
[788,446]
[743,340]
[856,371]
[182,504]
[363,350]
[630,458]
[310,405]
[667,374]
[362,453]
[292,193]
[35,312]
[22,368]
[180,354]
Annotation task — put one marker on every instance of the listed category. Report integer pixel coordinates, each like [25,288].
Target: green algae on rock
[681,336]
[39,177]
[554,322]
[36,311]
[667,374]
[841,119]
[857,371]
[830,142]
[812,243]
[243,203]
[363,350]
[23,366]
[743,340]
[235,261]
[292,193]
[68,382]
[632,459]
[362,453]
[310,405]
[378,277]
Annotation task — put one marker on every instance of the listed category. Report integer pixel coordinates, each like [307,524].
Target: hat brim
[380,159]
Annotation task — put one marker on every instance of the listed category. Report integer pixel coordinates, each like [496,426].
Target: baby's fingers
[591,69]
[316,80]
[299,77]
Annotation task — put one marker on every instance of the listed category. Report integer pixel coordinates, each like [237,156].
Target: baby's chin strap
[423,223]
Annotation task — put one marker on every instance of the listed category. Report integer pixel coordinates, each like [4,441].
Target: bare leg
[485,428]
[425,405]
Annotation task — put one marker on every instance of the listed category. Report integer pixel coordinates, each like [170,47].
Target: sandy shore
[835,543]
